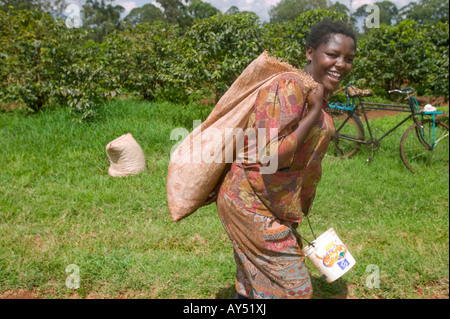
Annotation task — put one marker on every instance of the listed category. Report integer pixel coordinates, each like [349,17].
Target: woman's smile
[334,76]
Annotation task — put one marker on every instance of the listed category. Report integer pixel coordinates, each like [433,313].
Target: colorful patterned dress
[260,212]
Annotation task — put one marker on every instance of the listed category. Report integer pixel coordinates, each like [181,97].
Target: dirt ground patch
[433,290]
[19,294]
[378,114]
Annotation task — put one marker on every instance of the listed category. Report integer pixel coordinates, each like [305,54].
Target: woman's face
[331,62]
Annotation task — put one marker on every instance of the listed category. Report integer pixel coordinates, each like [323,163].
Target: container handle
[314,235]
[309,223]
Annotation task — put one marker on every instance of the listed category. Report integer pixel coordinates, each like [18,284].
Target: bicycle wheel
[348,138]
[417,152]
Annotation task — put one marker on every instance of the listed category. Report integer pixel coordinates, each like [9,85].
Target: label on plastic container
[336,253]
[343,264]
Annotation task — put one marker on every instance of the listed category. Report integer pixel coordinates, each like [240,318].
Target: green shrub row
[43,62]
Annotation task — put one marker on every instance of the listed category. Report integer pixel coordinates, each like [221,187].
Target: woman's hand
[315,99]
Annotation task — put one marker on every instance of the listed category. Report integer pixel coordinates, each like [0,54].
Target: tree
[199,9]
[219,48]
[25,35]
[174,10]
[287,40]
[146,13]
[389,13]
[339,7]
[390,56]
[342,8]
[101,18]
[184,12]
[53,6]
[145,58]
[435,67]
[427,11]
[232,10]
[43,62]
[287,10]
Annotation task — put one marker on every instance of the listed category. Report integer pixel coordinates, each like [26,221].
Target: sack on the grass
[125,156]
[199,161]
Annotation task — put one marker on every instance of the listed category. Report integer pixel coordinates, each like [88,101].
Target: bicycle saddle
[355,92]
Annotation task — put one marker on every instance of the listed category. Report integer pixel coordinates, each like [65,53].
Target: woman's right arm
[288,145]
[315,101]
[279,106]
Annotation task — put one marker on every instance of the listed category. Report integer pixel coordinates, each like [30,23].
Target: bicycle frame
[413,108]
[425,128]
[392,107]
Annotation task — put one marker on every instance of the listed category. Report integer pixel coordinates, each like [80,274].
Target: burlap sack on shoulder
[199,161]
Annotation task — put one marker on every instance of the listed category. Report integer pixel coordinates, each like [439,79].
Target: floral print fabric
[289,191]
[260,213]
[268,254]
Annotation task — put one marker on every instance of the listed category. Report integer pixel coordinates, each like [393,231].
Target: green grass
[59,206]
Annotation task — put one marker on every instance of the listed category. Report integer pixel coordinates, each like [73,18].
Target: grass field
[59,206]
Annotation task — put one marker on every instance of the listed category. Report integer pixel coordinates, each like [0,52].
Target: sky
[260,7]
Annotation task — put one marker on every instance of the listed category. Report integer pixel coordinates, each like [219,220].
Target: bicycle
[426,141]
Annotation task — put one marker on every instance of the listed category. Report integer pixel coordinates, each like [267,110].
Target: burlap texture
[190,177]
[125,156]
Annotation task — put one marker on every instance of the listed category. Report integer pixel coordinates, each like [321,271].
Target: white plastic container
[329,255]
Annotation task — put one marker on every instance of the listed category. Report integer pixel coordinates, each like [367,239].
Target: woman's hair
[321,32]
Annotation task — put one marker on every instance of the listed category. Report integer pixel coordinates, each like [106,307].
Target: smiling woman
[260,211]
